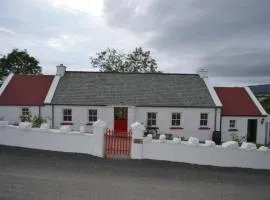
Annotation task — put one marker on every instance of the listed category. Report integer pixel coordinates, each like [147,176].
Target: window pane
[173,116]
[92,115]
[67,115]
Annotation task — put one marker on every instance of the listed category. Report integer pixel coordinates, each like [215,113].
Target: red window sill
[204,128]
[176,128]
[89,124]
[67,123]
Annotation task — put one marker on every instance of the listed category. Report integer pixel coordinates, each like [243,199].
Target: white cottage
[242,115]
[181,104]
[21,95]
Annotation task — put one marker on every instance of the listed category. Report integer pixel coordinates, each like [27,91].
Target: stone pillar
[98,138]
[137,140]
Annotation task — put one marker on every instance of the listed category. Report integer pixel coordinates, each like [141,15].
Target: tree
[111,60]
[18,62]
[140,61]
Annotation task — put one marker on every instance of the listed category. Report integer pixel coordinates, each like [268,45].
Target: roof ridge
[148,73]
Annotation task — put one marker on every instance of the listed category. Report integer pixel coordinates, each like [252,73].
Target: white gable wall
[241,126]
[13,113]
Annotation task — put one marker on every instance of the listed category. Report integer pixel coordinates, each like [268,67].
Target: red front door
[120,119]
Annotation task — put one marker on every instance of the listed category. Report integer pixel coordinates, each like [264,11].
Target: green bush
[37,121]
[235,137]
[26,118]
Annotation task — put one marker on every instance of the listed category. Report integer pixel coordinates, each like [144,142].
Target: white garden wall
[227,155]
[215,156]
[55,140]
[241,126]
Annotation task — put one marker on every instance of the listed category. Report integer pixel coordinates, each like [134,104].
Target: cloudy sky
[229,38]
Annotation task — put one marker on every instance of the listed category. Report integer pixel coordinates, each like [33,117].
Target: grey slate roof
[134,89]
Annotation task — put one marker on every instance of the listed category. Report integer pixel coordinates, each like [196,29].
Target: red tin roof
[28,90]
[236,102]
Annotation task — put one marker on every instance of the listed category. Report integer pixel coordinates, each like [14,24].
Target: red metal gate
[117,143]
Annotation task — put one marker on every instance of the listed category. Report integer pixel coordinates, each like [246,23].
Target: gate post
[137,140]
[98,138]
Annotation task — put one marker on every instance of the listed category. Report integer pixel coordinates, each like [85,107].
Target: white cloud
[55,44]
[93,7]
[6,31]
[73,39]
[65,41]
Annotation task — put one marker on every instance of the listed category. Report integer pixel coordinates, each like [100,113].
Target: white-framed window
[151,119]
[204,119]
[232,123]
[67,115]
[25,111]
[92,115]
[176,119]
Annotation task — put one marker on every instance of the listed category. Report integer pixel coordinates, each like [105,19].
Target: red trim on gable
[26,90]
[236,102]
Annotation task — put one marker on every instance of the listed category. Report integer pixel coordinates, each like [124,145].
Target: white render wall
[241,126]
[80,115]
[190,120]
[13,113]
[218,119]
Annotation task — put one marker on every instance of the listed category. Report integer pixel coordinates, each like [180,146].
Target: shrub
[37,121]
[235,137]
[26,118]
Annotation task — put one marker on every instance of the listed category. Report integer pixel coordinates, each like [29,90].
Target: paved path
[29,174]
